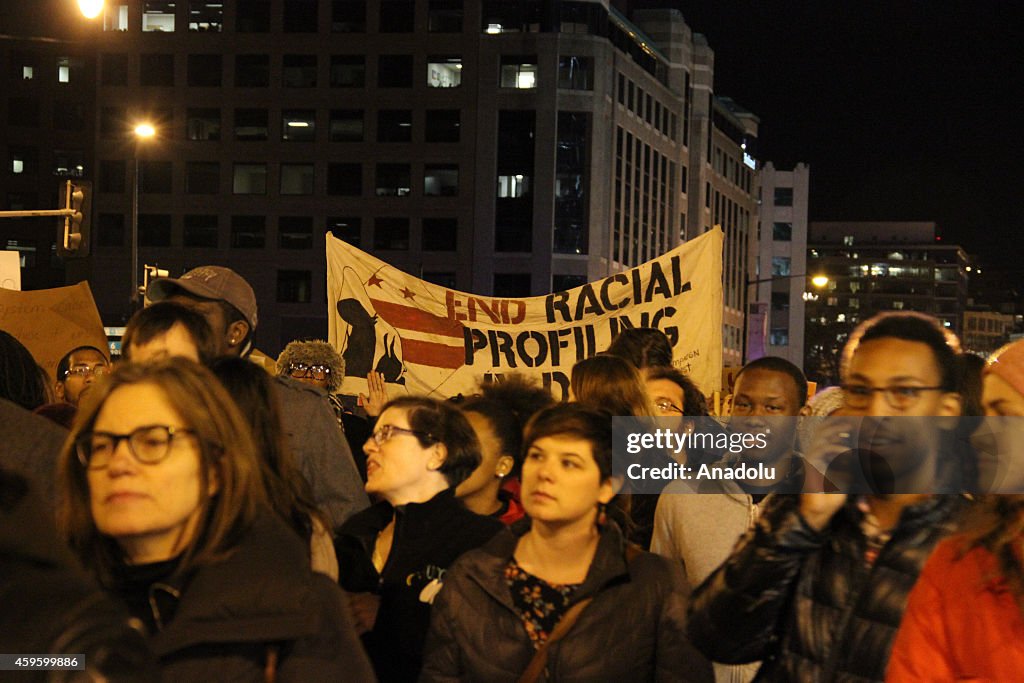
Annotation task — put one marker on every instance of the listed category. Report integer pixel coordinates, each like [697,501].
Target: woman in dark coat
[393,556]
[501,603]
[162,499]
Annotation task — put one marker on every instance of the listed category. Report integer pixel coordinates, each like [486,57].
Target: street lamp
[90,9]
[819,281]
[143,131]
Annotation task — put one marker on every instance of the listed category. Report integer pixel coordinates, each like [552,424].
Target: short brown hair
[578,421]
[153,321]
[225,444]
[440,422]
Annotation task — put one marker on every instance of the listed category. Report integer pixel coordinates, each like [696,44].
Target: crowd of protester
[185,513]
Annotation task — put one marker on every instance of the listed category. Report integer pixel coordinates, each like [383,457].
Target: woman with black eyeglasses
[163,500]
[393,556]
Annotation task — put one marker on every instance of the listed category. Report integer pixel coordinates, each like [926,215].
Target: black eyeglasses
[666,406]
[387,431]
[900,397]
[149,445]
[302,371]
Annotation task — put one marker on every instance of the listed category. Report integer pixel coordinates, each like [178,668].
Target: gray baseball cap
[209,282]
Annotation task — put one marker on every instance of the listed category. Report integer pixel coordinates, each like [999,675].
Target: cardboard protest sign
[51,322]
[431,340]
[10,270]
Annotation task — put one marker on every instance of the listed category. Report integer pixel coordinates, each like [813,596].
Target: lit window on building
[780,266]
[115,16]
[27,73]
[158,15]
[444,72]
[298,125]
[206,16]
[513,186]
[518,72]
[441,180]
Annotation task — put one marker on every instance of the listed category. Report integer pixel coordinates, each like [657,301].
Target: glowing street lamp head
[145,130]
[819,280]
[90,9]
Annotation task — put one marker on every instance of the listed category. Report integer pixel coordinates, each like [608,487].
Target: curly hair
[314,352]
[508,405]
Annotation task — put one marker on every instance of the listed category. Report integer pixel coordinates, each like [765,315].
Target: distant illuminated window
[444,72]
[513,185]
[27,73]
[519,72]
[158,15]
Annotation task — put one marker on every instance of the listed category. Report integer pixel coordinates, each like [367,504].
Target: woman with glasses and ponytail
[393,556]
[561,596]
[163,500]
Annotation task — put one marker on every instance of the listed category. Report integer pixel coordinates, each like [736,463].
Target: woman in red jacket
[965,618]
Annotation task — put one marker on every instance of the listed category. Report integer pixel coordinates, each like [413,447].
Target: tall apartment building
[46,122]
[510,147]
[777,306]
[874,267]
[732,196]
[505,147]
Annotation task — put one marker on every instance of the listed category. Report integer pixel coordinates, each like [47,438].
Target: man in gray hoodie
[701,529]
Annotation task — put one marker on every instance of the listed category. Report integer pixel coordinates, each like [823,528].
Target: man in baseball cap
[222,296]
[228,303]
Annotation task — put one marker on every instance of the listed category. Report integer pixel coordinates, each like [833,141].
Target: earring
[602,516]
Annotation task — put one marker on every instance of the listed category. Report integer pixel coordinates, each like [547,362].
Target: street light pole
[817,281]
[143,131]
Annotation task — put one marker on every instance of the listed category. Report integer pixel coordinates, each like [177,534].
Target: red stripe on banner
[417,319]
[433,354]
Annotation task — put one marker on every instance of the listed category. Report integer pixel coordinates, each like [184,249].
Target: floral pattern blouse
[540,604]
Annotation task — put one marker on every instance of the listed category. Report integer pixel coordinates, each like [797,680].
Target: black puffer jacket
[807,602]
[634,630]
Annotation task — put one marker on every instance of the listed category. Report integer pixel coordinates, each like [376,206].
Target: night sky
[903,109]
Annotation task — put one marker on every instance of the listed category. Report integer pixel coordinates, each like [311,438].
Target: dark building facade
[875,267]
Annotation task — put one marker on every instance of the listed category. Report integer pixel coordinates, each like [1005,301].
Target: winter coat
[320,450]
[30,445]
[261,607]
[428,537]
[633,630]
[962,622]
[49,604]
[807,602]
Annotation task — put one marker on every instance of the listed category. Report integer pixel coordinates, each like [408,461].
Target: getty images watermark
[812,455]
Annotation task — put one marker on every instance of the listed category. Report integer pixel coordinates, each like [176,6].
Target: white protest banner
[431,340]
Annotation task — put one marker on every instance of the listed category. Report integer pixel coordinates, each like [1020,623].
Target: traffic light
[73,229]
